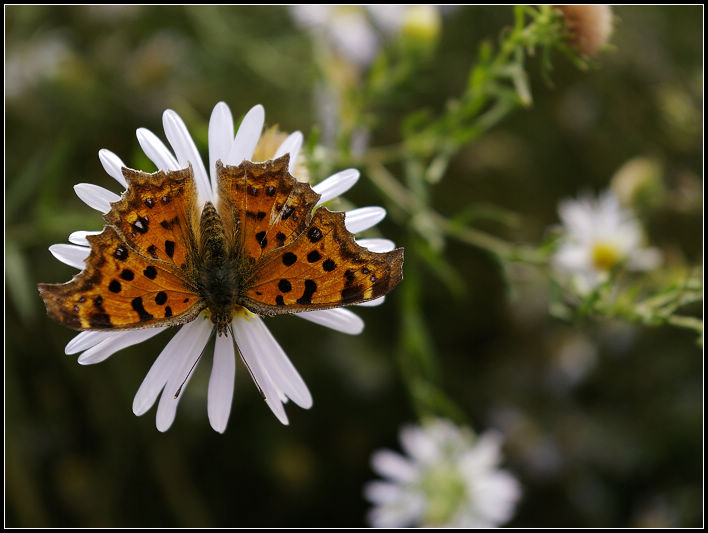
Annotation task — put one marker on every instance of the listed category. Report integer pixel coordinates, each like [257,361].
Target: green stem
[406,201]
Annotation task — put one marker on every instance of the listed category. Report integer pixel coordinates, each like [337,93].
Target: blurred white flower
[600,235]
[34,61]
[347,28]
[358,32]
[449,478]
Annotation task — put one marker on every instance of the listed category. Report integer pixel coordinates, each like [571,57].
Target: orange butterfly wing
[293,261]
[266,207]
[132,278]
[157,215]
[322,268]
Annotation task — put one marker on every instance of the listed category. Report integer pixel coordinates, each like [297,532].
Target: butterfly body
[217,269]
[162,259]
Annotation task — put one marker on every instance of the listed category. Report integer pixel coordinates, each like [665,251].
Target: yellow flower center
[446,493]
[269,142]
[605,256]
[237,312]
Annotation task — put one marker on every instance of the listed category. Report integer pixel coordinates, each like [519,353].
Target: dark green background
[621,447]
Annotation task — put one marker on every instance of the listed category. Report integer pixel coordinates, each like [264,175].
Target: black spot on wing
[328,265]
[289,258]
[261,239]
[114,286]
[310,290]
[137,304]
[140,225]
[314,234]
[121,253]
[150,272]
[169,248]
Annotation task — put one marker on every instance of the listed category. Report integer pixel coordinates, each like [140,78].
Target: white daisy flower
[449,478]
[268,364]
[599,235]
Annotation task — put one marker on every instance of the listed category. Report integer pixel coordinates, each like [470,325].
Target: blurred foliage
[601,409]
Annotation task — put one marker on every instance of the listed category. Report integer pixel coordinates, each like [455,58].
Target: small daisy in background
[599,235]
[270,367]
[448,478]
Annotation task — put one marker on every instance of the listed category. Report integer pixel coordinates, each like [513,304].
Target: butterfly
[163,259]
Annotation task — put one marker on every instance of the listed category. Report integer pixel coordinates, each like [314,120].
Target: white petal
[88,339]
[336,184]
[277,364]
[96,197]
[393,466]
[363,218]
[249,347]
[70,254]
[186,152]
[484,455]
[573,258]
[382,492]
[397,506]
[163,367]
[418,444]
[354,36]
[377,245]
[579,217]
[79,237]
[249,132]
[292,146]
[646,259]
[107,347]
[183,370]
[156,150]
[113,166]
[221,383]
[341,320]
[221,137]
[373,303]
[496,496]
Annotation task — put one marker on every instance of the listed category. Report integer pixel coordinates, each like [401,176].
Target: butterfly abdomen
[217,279]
